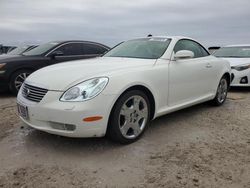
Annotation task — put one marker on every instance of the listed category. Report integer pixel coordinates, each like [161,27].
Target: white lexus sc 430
[118,94]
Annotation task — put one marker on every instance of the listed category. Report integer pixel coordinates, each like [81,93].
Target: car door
[189,78]
[68,52]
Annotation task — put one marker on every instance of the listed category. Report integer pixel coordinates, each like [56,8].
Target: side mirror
[184,54]
[56,53]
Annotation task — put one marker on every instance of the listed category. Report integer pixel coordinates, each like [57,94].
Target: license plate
[23,111]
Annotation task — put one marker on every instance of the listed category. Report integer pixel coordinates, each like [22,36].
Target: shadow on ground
[6,94]
[240,89]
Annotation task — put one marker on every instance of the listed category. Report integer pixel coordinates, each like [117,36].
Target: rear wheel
[129,117]
[17,80]
[222,91]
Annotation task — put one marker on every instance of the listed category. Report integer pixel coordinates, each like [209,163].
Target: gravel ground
[201,146]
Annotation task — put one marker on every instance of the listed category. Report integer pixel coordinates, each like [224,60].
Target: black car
[14,70]
[6,49]
[20,50]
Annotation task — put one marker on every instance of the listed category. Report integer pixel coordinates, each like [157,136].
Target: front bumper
[51,115]
[241,78]
[4,85]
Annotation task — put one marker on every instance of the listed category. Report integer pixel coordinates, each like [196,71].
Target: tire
[221,93]
[129,117]
[16,80]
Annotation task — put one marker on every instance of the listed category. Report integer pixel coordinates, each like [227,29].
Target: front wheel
[129,117]
[17,80]
[221,94]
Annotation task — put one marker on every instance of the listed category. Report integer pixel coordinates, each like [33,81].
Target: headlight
[86,90]
[2,65]
[241,67]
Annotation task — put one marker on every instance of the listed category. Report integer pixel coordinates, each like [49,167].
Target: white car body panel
[68,74]
[173,84]
[238,75]
[238,61]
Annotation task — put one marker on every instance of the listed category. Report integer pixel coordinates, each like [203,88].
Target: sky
[211,22]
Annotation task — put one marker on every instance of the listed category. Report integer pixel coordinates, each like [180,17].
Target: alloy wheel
[222,91]
[133,117]
[20,79]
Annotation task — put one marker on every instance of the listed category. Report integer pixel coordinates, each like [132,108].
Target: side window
[93,49]
[71,49]
[190,45]
[101,49]
[205,53]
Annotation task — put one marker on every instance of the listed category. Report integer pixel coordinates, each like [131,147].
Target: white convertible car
[119,93]
[239,59]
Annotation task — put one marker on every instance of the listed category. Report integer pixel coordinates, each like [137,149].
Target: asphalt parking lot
[202,146]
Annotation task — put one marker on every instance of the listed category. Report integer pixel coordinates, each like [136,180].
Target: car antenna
[150,35]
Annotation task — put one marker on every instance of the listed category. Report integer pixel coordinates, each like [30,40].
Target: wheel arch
[228,77]
[144,89]
[19,69]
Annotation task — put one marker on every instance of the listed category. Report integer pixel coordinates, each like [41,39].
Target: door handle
[209,65]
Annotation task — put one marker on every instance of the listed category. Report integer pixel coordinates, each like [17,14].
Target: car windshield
[41,49]
[239,52]
[18,50]
[146,48]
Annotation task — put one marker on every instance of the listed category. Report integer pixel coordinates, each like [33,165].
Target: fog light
[70,127]
[61,126]
[58,126]
[244,80]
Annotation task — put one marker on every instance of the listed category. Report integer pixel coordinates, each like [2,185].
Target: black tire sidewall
[113,127]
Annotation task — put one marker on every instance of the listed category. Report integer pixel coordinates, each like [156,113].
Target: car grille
[33,93]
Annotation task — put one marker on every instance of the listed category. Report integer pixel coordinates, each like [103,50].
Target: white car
[119,93]
[239,59]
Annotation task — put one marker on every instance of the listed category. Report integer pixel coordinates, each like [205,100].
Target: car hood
[6,56]
[9,59]
[64,75]
[238,61]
